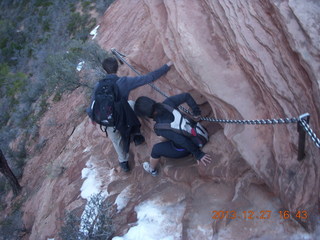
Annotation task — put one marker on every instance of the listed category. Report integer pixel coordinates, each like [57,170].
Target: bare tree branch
[6,171]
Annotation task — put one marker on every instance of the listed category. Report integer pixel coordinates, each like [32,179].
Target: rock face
[240,60]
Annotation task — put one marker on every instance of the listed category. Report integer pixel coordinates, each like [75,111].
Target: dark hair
[110,65]
[144,107]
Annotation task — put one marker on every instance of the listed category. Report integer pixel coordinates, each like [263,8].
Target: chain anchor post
[302,135]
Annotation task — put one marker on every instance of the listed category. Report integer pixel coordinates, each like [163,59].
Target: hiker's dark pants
[169,150]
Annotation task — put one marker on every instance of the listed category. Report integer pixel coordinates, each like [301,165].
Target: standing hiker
[183,136]
[110,107]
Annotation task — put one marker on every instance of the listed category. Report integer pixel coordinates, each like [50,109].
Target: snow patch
[87,149]
[94,32]
[156,220]
[123,198]
[80,66]
[92,184]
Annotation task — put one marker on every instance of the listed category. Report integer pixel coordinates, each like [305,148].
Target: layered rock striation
[240,60]
[248,60]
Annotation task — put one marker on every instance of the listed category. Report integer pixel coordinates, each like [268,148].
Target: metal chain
[301,121]
[254,122]
[121,56]
[312,135]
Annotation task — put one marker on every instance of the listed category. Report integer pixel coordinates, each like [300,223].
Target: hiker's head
[144,107]
[110,65]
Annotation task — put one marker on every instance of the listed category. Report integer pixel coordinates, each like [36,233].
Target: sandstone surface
[240,60]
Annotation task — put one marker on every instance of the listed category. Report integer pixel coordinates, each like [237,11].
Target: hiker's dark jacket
[179,140]
[127,122]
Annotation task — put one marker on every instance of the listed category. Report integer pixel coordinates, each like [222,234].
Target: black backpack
[102,106]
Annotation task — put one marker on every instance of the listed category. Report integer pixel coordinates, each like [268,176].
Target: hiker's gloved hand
[196,111]
[170,63]
[206,159]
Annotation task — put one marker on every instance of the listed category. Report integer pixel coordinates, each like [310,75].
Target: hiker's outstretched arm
[179,99]
[126,84]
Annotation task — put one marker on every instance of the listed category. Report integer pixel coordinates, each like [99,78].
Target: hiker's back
[184,125]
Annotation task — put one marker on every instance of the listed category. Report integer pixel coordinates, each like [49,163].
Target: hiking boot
[147,168]
[125,166]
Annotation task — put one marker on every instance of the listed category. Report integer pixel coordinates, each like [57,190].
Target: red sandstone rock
[247,60]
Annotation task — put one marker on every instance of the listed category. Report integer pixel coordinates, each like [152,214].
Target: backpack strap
[184,115]
[195,128]
[168,126]
[163,126]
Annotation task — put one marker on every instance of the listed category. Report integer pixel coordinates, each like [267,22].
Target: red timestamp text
[263,214]
[300,214]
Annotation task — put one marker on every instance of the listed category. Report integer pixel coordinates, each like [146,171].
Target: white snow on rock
[123,198]
[157,220]
[92,184]
[94,32]
[80,66]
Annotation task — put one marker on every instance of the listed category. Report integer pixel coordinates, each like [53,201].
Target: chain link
[254,122]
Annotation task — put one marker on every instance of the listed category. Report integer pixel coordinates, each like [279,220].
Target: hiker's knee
[157,150]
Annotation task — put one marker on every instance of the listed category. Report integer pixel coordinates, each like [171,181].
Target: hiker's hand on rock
[205,159]
[170,63]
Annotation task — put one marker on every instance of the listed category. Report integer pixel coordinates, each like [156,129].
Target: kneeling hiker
[110,108]
[184,136]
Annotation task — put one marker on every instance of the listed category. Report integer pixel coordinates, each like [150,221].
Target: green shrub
[5,116]
[11,83]
[3,42]
[86,4]
[57,97]
[95,222]
[75,23]
[15,83]
[72,7]
[43,12]
[43,107]
[12,41]
[46,26]
[3,187]
[4,71]
[61,72]
[43,3]
[11,228]
[33,32]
